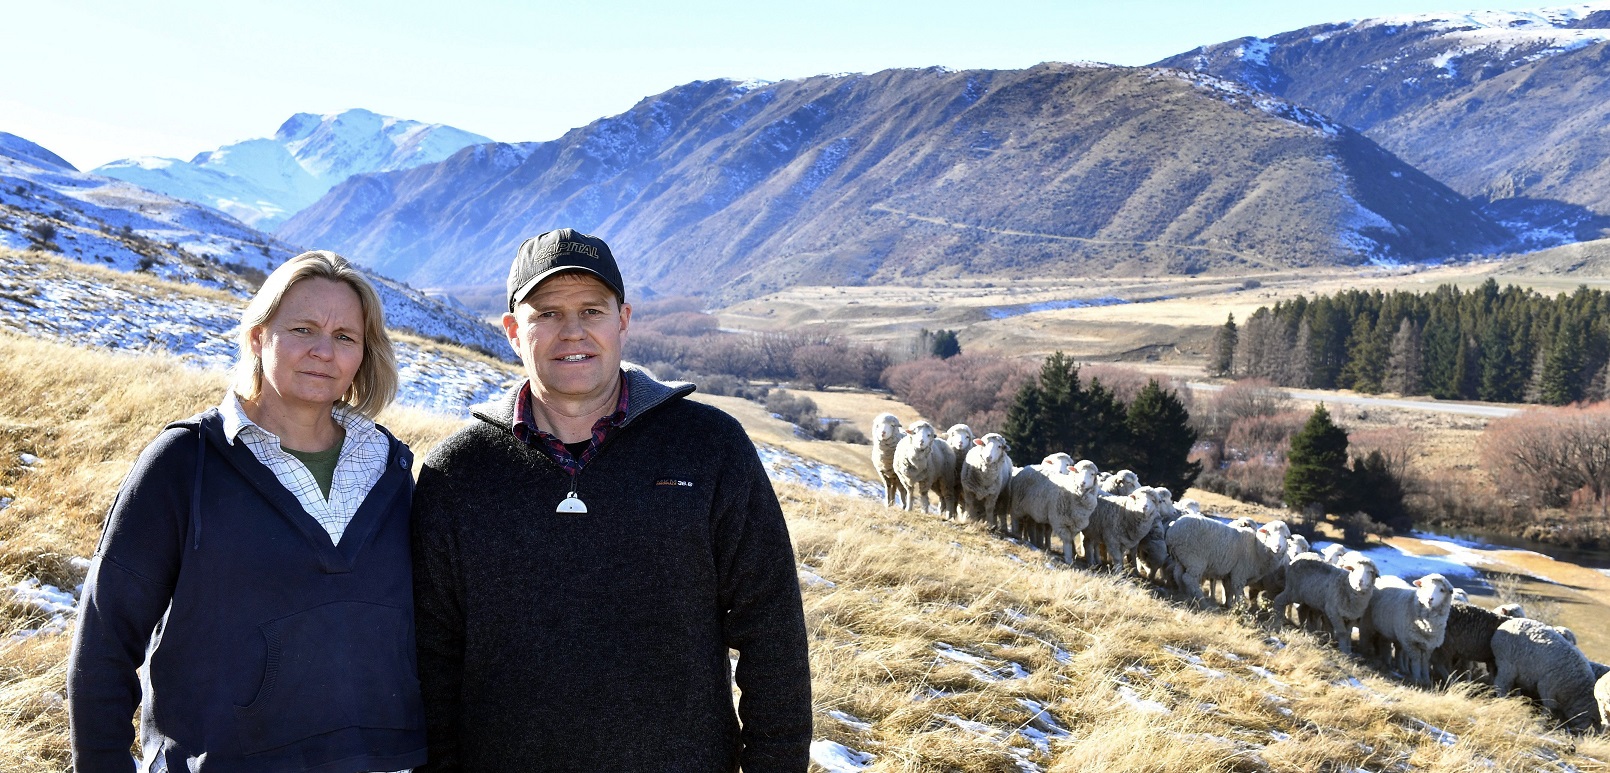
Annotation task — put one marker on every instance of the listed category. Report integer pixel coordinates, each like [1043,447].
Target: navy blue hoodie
[268,647]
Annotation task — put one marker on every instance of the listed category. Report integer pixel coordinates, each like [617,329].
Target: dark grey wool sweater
[599,641]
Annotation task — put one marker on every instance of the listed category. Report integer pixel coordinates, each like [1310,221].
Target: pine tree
[945,345]
[1161,439]
[1223,349]
[1316,467]
[1023,431]
[1103,428]
[1406,363]
[1378,493]
[1060,421]
[1562,369]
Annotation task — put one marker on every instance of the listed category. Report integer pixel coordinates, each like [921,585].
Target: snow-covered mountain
[47,205]
[1507,107]
[262,182]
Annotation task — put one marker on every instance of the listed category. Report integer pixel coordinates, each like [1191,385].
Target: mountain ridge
[735,189]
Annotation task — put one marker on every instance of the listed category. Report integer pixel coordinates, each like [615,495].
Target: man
[587,550]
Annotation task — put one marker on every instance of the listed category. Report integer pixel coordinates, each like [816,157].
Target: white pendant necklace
[572,504]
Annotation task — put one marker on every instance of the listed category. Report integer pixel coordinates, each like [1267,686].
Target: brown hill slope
[732,190]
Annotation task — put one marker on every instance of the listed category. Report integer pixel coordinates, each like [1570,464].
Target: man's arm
[129,586]
[438,617]
[765,619]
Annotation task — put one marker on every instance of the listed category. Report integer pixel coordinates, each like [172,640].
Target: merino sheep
[1059,463]
[1534,656]
[1332,554]
[960,439]
[1042,503]
[1201,548]
[1152,554]
[1601,695]
[1413,620]
[1467,642]
[1509,610]
[1121,483]
[886,434]
[1032,520]
[1340,593]
[1298,546]
[984,478]
[920,464]
[1117,526]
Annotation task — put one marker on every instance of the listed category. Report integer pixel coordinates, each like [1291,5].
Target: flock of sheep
[1424,629]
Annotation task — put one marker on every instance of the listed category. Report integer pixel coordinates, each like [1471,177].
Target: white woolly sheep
[1298,546]
[1151,554]
[1509,610]
[1601,695]
[1340,593]
[886,434]
[1117,526]
[1032,523]
[1332,554]
[1201,548]
[1121,483]
[960,439]
[920,464]
[1188,505]
[984,477]
[1534,657]
[1043,503]
[1413,620]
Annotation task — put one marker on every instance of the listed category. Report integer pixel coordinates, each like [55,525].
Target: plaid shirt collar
[526,431]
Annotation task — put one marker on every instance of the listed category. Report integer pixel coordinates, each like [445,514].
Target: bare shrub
[1256,480]
[1265,437]
[849,433]
[821,365]
[1560,457]
[1212,414]
[974,389]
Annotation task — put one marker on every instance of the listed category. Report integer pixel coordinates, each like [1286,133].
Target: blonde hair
[375,384]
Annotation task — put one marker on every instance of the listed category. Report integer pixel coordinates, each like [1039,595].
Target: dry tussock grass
[944,640]
[86,415]
[919,633]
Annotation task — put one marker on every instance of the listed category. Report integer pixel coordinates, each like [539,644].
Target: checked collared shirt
[526,431]
[360,465]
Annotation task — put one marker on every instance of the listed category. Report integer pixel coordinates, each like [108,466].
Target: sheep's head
[922,434]
[1274,535]
[1058,463]
[1333,554]
[1510,610]
[1085,476]
[1568,634]
[1189,506]
[960,436]
[1243,523]
[886,427]
[1151,504]
[1297,546]
[1361,571]
[994,447]
[1434,591]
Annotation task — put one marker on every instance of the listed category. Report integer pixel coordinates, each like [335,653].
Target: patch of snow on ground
[1461,560]
[850,720]
[1255,52]
[838,758]
[1142,705]
[789,468]
[50,600]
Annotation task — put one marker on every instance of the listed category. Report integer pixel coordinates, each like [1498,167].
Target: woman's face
[312,347]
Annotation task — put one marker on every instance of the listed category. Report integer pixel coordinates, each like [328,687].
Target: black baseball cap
[563,249]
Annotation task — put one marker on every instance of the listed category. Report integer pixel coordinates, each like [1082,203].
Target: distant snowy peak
[1580,16]
[264,181]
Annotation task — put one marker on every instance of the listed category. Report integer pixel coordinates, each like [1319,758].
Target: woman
[256,561]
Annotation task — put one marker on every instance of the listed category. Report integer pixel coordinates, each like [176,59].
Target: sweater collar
[645,393]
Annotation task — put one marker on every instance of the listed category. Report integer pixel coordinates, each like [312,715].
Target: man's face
[568,333]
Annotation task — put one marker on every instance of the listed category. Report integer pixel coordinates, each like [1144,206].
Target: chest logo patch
[674,482]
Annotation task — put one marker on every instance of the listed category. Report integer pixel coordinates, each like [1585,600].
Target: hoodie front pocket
[345,664]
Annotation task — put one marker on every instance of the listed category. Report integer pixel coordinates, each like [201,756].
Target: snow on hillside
[264,181]
[47,205]
[1531,34]
[85,312]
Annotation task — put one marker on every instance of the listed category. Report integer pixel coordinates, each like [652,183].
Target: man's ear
[626,316]
[511,328]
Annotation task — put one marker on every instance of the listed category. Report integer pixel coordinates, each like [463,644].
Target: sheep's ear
[978,441]
[1417,582]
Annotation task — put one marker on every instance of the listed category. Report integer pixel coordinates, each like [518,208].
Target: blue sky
[95,80]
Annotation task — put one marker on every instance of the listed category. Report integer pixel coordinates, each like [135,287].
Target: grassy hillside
[934,647]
